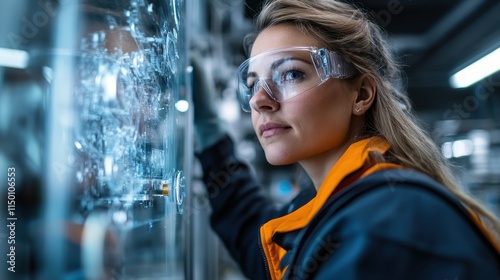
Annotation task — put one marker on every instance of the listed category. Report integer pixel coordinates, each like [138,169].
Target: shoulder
[397,188]
[394,225]
[405,207]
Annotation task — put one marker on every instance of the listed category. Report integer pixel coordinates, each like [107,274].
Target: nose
[262,100]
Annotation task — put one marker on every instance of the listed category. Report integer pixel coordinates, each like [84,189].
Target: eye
[291,76]
[251,84]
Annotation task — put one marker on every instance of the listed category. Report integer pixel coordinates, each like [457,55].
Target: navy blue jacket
[393,224]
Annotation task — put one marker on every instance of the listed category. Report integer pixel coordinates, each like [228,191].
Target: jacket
[387,223]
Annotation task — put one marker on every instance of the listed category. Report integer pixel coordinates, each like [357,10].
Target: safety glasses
[286,73]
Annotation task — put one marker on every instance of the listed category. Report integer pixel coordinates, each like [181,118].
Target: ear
[366,92]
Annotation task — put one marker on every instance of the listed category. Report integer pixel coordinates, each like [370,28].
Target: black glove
[209,127]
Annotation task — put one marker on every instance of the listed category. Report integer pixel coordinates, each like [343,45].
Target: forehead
[282,36]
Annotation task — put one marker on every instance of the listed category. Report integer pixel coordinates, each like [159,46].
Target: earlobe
[367,90]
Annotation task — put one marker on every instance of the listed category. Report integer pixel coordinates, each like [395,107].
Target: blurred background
[95,119]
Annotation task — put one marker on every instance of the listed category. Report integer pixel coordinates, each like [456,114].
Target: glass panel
[104,78]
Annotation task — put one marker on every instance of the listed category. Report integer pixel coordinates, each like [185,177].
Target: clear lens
[286,73]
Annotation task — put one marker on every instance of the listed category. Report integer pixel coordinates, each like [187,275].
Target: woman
[321,86]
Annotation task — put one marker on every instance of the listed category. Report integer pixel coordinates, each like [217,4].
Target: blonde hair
[347,30]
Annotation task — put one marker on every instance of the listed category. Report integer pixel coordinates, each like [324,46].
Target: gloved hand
[208,126]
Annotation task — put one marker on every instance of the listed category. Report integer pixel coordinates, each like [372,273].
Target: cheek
[323,119]
[326,107]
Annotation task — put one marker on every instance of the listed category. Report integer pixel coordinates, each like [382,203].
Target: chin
[278,159]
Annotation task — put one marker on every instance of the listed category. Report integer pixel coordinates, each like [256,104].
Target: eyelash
[293,70]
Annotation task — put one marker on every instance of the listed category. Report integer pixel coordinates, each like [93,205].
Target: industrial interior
[107,182]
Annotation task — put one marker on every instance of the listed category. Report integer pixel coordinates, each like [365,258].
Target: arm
[239,207]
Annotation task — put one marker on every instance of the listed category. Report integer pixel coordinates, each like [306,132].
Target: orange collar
[351,161]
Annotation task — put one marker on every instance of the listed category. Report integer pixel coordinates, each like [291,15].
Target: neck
[318,167]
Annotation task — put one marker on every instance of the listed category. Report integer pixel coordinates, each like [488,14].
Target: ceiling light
[477,71]
[13,58]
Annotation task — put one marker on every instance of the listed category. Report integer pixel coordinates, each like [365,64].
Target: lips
[270,129]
